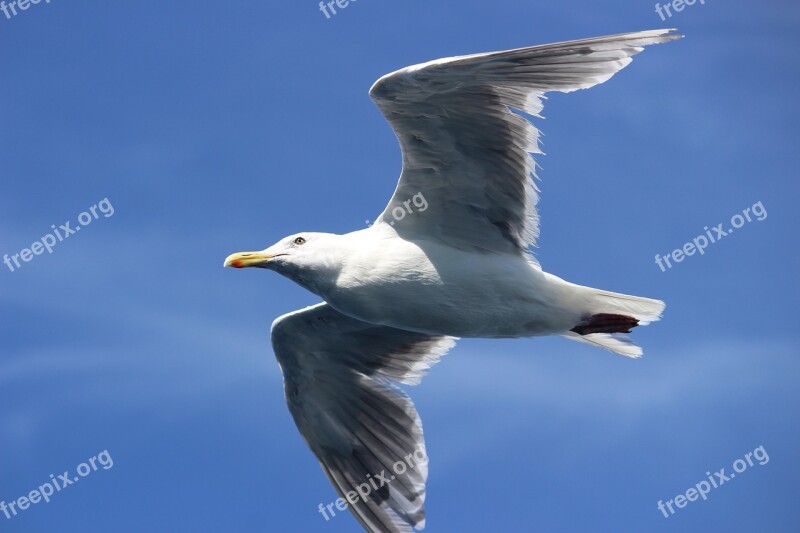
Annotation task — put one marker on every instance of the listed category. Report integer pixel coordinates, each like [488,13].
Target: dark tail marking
[605,323]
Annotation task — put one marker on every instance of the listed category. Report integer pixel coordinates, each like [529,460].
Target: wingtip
[671,34]
[653,36]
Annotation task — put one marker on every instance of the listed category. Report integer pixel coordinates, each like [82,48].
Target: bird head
[306,258]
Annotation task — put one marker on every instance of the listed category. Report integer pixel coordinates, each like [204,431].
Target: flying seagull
[399,293]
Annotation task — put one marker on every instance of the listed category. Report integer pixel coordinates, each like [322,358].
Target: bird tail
[610,316]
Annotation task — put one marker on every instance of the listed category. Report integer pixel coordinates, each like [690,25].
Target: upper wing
[467,153]
[340,376]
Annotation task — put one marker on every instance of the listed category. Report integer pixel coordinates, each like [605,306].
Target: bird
[449,257]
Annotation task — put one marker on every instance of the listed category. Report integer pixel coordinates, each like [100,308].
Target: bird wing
[467,153]
[340,377]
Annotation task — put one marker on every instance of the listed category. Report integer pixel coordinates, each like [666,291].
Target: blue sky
[217,127]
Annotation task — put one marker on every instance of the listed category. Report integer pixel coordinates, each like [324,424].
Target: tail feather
[645,310]
[610,315]
[618,343]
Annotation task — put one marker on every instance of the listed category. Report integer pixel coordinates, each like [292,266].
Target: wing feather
[341,377]
[468,152]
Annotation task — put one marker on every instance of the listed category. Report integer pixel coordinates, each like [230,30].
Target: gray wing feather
[468,153]
[340,376]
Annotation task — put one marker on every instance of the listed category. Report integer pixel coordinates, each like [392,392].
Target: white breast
[429,287]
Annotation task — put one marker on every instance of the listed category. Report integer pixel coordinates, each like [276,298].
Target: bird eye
[298,241]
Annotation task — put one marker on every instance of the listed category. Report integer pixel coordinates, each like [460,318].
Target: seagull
[450,257]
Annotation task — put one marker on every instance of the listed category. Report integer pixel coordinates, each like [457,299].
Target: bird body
[398,294]
[381,278]
[465,294]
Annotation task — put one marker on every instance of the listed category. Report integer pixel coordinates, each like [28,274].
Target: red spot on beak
[238,263]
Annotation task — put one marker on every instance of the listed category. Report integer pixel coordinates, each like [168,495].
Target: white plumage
[399,293]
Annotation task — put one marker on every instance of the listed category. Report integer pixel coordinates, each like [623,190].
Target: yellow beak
[246,259]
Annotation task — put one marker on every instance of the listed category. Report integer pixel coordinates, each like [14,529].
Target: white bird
[449,257]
